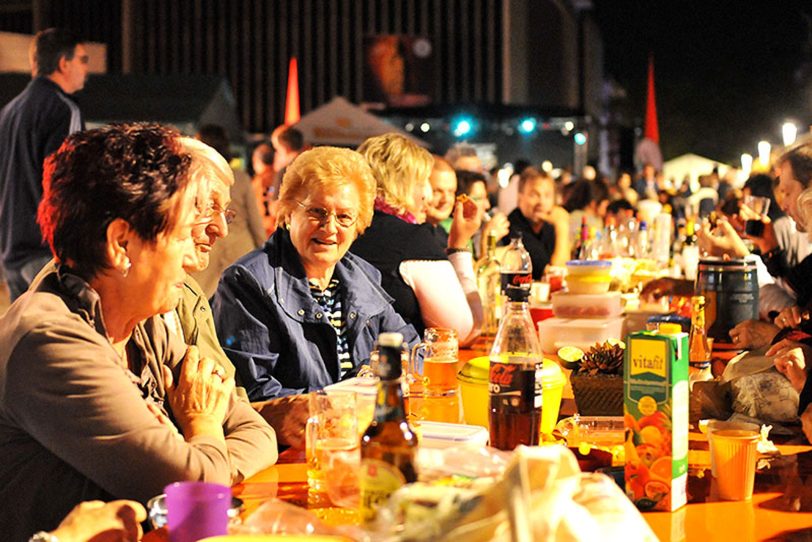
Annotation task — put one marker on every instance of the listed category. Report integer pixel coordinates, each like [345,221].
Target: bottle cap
[395,340]
[667,328]
[389,365]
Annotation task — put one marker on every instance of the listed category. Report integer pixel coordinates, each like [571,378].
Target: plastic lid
[477,369]
[589,263]
[668,328]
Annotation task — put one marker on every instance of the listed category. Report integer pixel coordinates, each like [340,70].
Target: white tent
[338,122]
[691,166]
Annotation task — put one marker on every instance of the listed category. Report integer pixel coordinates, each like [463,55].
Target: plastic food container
[589,276]
[473,379]
[555,333]
[569,305]
[589,268]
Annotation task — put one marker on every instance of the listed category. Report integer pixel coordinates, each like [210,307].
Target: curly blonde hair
[326,169]
[399,165]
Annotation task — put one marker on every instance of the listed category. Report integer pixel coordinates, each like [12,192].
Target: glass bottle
[517,268]
[579,250]
[690,252]
[700,345]
[388,446]
[489,286]
[514,381]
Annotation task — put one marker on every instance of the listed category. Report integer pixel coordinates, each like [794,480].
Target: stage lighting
[527,126]
[462,127]
[580,138]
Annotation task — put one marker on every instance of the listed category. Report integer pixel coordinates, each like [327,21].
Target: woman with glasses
[301,312]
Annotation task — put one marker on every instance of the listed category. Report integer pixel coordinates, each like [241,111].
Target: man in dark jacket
[32,126]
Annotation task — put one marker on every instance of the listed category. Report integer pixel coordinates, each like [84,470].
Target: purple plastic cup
[197,510]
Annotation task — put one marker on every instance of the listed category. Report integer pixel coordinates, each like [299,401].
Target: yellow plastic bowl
[588,284]
[473,379]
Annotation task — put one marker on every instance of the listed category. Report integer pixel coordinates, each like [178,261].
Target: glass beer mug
[432,377]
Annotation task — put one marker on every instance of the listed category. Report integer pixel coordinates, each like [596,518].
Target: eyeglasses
[320,215]
[214,209]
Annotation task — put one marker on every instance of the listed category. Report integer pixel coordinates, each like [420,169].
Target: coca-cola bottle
[515,373]
[516,267]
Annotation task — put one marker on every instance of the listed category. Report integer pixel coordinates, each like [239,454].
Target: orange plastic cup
[734,452]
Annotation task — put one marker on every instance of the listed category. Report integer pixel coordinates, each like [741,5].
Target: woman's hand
[753,334]
[790,360]
[466,221]
[201,396]
[288,416]
[116,521]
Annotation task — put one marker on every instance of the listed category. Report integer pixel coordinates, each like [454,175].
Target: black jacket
[32,126]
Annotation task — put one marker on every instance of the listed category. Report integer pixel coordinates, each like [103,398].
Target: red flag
[292,114]
[651,129]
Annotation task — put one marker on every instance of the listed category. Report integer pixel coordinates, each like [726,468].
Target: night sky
[727,73]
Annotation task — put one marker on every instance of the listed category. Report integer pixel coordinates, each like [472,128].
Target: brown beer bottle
[388,447]
[699,349]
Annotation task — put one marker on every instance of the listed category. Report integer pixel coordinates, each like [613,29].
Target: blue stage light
[527,126]
[462,127]
[580,138]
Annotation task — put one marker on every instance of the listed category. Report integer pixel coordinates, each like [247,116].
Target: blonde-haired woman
[433,286]
[301,312]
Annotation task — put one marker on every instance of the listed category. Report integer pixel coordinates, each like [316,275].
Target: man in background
[32,126]
[288,143]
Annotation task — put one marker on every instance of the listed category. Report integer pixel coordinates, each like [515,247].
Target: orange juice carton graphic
[655,398]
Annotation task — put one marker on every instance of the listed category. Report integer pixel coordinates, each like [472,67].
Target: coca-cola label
[516,280]
[516,387]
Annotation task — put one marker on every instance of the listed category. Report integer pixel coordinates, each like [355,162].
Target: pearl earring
[126,270]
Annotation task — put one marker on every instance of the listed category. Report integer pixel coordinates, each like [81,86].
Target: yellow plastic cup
[473,379]
[734,452]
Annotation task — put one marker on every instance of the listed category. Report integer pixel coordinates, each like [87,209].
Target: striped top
[330,301]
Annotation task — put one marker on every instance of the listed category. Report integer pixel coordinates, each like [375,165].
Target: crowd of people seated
[186,314]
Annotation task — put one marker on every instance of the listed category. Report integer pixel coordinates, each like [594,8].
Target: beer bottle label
[516,387]
[378,481]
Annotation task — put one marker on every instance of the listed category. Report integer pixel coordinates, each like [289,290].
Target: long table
[781,508]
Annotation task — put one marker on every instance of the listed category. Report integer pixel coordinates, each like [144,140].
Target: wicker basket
[600,395]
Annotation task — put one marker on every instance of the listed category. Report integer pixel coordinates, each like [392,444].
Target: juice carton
[655,397]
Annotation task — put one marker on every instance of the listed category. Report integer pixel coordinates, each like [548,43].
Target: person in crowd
[646,184]
[544,227]
[302,312]
[32,126]
[475,186]
[624,190]
[245,229]
[101,400]
[464,156]
[443,181]
[703,201]
[508,196]
[619,211]
[585,199]
[431,287]
[97,521]
[262,180]
[288,143]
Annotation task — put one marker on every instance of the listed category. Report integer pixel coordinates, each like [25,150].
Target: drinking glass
[432,377]
[759,205]
[332,441]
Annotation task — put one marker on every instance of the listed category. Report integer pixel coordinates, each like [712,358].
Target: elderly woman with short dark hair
[99,399]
